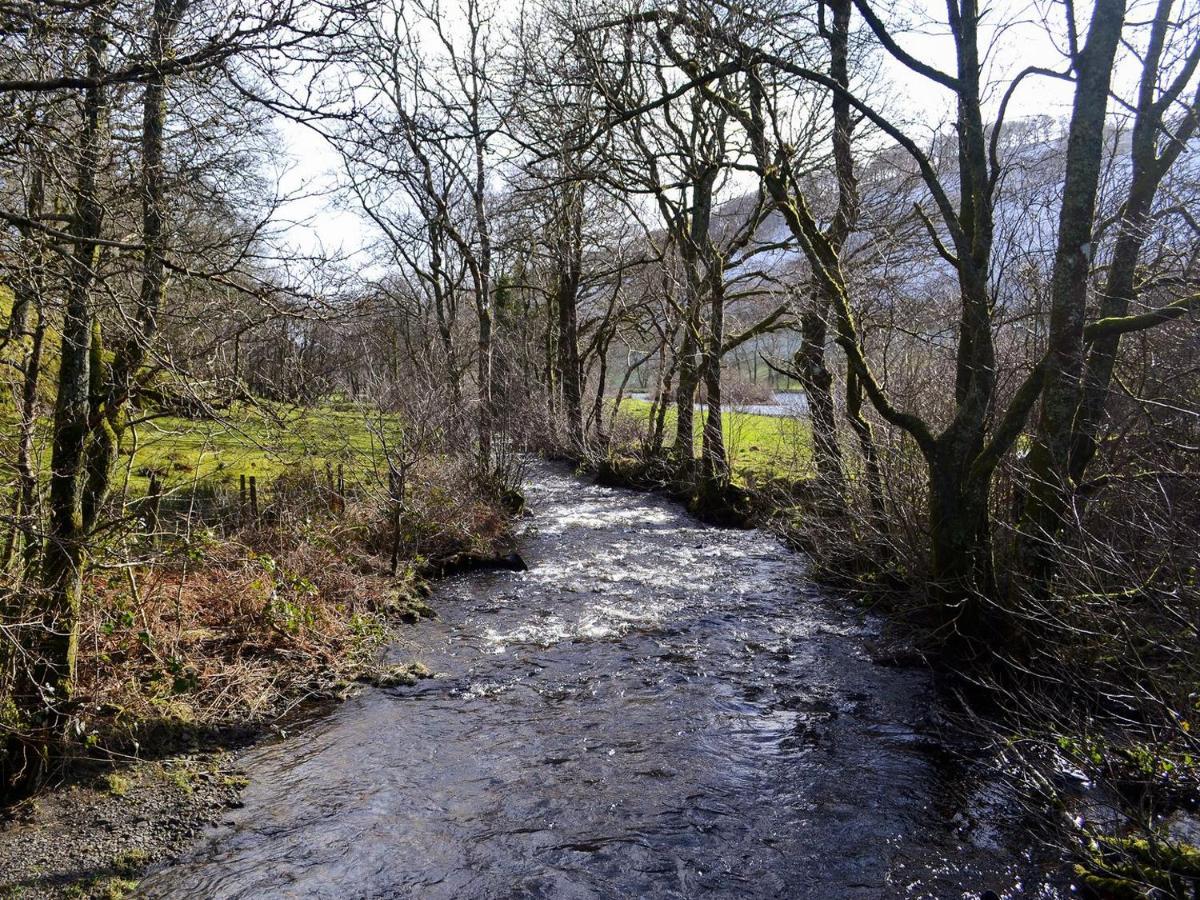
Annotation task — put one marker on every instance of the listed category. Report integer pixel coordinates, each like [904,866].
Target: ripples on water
[656,708]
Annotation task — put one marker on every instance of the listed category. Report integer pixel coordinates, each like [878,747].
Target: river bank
[656,708]
[96,835]
[225,642]
[103,825]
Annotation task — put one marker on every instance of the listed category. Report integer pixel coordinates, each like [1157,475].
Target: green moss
[405,675]
[181,776]
[1137,868]
[407,605]
[13,353]
[120,880]
[116,888]
[117,785]
[130,863]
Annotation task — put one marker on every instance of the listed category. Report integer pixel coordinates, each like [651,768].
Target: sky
[1020,33]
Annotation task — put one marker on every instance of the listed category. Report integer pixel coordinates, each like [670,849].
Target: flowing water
[657,708]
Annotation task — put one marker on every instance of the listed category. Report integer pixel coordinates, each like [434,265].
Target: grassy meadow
[759,447]
[262,439]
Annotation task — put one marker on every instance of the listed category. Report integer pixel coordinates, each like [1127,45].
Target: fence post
[154,503]
[254,498]
[396,490]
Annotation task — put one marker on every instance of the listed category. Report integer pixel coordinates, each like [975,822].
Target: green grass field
[265,442]
[758,446]
[214,453]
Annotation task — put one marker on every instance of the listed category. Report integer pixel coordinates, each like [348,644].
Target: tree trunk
[1050,485]
[483,375]
[714,461]
[963,575]
[566,298]
[52,672]
[596,416]
[696,250]
[658,408]
[817,383]
[27,308]
[26,450]
[683,451]
[809,361]
[1149,168]
[866,444]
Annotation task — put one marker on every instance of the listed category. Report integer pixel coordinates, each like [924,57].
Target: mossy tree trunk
[695,252]
[817,383]
[714,458]
[1050,487]
[50,675]
[65,543]
[683,449]
[28,326]
[569,263]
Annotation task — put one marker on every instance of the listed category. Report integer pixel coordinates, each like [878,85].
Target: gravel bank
[94,837]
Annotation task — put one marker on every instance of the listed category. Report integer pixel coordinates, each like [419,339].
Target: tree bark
[695,251]
[817,383]
[683,450]
[52,673]
[27,308]
[1149,167]
[866,443]
[1049,489]
[714,460]
[566,299]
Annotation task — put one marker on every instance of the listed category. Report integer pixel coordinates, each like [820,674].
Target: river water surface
[657,708]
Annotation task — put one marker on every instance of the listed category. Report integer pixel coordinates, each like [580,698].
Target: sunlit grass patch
[759,447]
[264,442]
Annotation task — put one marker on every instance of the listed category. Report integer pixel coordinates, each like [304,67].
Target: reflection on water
[656,708]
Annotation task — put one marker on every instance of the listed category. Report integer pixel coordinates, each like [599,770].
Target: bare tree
[430,130]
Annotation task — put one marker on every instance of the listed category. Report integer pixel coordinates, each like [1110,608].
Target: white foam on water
[600,621]
[593,516]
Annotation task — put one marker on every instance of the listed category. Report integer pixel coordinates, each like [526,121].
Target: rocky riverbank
[96,834]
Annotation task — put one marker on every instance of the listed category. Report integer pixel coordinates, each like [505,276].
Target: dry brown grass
[239,635]
[216,630]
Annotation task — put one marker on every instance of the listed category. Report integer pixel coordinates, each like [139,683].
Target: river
[657,708]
